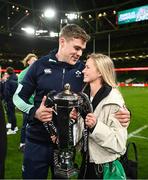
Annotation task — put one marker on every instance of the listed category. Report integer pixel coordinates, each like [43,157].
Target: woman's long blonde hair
[105,66]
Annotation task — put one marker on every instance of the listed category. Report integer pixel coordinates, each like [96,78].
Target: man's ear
[61,41]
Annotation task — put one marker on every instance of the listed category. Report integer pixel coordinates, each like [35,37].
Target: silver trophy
[62,128]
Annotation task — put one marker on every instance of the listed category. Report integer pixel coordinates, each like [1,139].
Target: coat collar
[101,94]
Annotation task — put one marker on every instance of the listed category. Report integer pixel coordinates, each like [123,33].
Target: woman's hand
[123,116]
[90,120]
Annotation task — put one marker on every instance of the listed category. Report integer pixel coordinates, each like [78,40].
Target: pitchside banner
[133,15]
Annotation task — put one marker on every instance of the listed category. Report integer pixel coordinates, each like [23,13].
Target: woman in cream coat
[107,137]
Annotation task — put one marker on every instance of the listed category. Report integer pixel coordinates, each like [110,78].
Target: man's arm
[20,102]
[21,98]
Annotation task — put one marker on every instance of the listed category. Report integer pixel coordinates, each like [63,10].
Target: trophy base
[65,173]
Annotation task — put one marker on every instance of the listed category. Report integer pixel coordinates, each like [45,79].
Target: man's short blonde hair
[27,58]
[74,31]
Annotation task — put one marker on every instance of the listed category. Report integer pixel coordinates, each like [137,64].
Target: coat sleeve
[109,133]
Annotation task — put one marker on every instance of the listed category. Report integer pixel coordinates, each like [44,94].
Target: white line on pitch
[137,131]
[141,137]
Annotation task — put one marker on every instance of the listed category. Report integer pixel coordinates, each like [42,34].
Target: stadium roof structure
[97,17]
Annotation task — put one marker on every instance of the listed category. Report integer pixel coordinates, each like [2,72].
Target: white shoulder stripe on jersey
[19,103]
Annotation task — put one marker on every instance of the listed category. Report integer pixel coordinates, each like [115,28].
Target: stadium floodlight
[49,13]
[72,16]
[120,58]
[104,13]
[53,34]
[127,57]
[29,30]
[134,57]
[114,58]
[114,12]
[100,15]
[40,31]
[141,56]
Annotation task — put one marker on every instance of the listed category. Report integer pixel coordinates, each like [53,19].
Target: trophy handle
[49,102]
[85,105]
